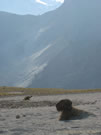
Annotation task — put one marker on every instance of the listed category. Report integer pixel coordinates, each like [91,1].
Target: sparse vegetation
[11,91]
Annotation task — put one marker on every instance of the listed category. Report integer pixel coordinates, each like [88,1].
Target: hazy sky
[29,6]
[44,2]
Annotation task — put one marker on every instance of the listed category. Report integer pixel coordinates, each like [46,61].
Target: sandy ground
[40,117]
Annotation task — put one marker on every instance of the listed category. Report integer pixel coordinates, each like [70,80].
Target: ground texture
[40,117]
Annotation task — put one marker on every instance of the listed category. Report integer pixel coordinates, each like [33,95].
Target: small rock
[24,115]
[17,116]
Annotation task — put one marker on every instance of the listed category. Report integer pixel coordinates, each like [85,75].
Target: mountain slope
[78,65]
[59,49]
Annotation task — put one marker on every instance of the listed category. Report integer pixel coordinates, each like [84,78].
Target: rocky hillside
[59,49]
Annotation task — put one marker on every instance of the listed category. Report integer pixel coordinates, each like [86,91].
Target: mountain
[33,7]
[59,49]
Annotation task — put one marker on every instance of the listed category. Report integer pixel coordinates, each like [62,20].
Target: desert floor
[40,117]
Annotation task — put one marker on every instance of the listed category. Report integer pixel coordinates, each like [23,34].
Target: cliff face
[59,49]
[77,25]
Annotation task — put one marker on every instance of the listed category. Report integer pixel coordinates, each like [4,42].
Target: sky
[43,2]
[34,7]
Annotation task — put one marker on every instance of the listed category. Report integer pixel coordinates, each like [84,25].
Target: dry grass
[11,91]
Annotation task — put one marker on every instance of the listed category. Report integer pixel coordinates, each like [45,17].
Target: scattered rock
[24,115]
[17,116]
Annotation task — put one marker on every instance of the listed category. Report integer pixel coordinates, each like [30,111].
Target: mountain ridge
[59,49]
[23,7]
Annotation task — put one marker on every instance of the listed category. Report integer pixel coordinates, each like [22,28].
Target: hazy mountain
[59,49]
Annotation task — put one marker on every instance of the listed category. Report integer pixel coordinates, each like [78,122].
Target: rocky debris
[17,116]
[21,104]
